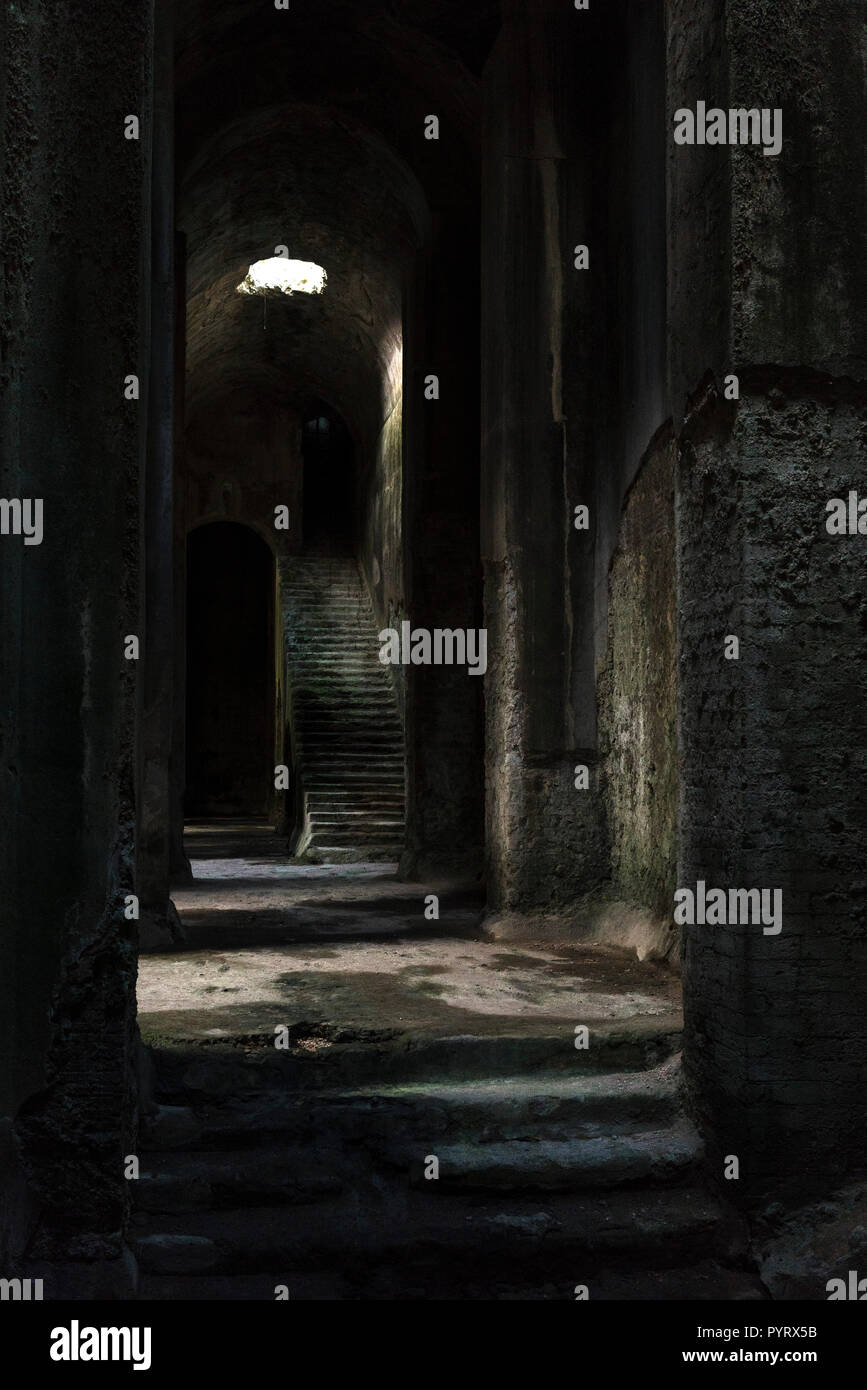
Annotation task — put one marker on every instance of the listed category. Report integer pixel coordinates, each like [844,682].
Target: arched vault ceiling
[305,128]
[306,179]
[386,64]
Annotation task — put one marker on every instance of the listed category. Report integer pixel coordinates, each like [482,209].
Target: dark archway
[230,672]
[329,482]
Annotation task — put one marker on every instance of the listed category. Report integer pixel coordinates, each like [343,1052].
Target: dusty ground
[269,943]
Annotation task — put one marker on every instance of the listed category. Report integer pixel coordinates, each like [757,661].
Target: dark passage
[230,672]
[329,483]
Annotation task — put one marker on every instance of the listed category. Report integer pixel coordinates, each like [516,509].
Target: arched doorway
[329,482]
[230,672]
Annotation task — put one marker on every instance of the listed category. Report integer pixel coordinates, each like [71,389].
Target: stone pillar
[73,324]
[767,283]
[159,923]
[443,704]
[544,838]
[179,865]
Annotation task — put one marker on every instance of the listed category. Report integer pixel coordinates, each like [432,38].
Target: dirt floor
[348,946]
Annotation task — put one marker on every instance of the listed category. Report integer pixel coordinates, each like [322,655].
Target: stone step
[325,759]
[373,799]
[707,1280]
[364,781]
[352,743]
[336,660]
[563,1165]
[387,765]
[328,761]
[380,831]
[352,725]
[388,841]
[335,639]
[545,1239]
[306,618]
[206,1180]
[339,818]
[368,848]
[316,695]
[323,678]
[317,691]
[337,776]
[364,853]
[325,753]
[351,756]
[347,733]
[391,818]
[343,1057]
[373,742]
[585,1106]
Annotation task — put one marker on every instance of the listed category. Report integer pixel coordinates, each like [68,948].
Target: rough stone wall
[767,268]
[72,325]
[638,692]
[574,392]
[243,459]
[772,787]
[543,838]
[381,530]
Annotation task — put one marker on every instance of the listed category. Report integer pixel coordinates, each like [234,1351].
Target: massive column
[73,323]
[159,921]
[767,284]
[443,574]
[544,838]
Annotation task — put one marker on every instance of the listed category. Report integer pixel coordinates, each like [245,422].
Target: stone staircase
[346,730]
[311,1169]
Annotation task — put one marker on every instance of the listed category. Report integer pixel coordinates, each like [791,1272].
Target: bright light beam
[279,275]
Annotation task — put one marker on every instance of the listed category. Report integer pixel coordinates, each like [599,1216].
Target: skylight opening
[279,275]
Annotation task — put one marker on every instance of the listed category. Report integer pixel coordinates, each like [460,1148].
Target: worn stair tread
[573,1106]
[607,1160]
[365,1225]
[704,1281]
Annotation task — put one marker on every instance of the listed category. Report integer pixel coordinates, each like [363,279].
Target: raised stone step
[346,797]
[352,832]
[199,1180]
[339,818]
[584,1106]
[537,1241]
[702,1281]
[611,1160]
[347,854]
[340,1059]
